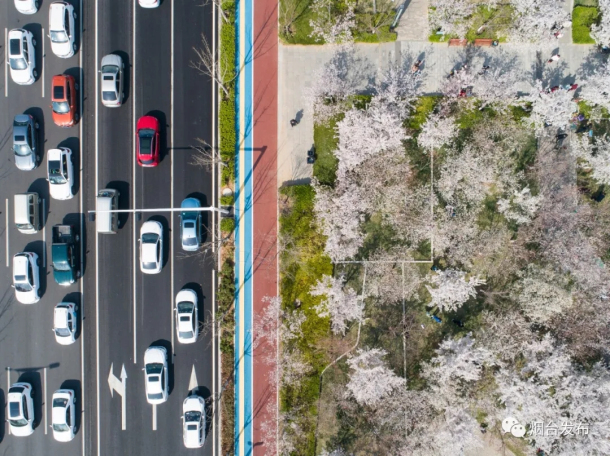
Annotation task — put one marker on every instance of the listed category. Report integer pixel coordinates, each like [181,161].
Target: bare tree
[208,65]
[290,11]
[218,4]
[206,156]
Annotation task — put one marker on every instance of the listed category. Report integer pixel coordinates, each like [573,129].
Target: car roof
[56,18]
[149,253]
[16,34]
[60,317]
[20,264]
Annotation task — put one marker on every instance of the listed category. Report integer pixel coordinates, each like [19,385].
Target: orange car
[63,97]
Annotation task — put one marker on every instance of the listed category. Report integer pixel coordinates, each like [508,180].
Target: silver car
[112,80]
[190,225]
[25,142]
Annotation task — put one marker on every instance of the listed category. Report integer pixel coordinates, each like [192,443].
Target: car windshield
[185,334]
[23,150]
[22,284]
[189,240]
[155,396]
[146,137]
[108,96]
[59,36]
[185,307]
[110,69]
[18,63]
[61,107]
[150,238]
[62,332]
[55,176]
[192,416]
[61,265]
[154,368]
[60,427]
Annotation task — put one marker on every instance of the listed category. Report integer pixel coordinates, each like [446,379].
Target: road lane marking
[133,155]
[43,60]
[171,161]
[6,61]
[193,383]
[82,236]
[154,417]
[215,357]
[7,231]
[44,237]
[97,236]
[120,386]
[8,387]
[46,424]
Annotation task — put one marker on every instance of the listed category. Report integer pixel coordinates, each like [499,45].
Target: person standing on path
[554,58]
[293,122]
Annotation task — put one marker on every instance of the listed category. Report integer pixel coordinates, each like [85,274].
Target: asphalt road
[122,312]
[28,350]
[135,311]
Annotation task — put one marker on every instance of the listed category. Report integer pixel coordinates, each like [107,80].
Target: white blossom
[596,154]
[550,108]
[330,28]
[601,32]
[451,16]
[595,89]
[437,131]
[341,304]
[534,20]
[370,380]
[521,207]
[451,289]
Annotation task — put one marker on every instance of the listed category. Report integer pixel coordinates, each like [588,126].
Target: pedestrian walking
[483,70]
[415,67]
[293,122]
[554,58]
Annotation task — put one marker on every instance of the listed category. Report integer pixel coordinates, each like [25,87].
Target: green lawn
[325,167]
[226,122]
[582,19]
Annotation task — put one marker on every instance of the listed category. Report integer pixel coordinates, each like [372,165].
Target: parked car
[61,29]
[147,141]
[22,56]
[26,277]
[155,369]
[63,100]
[112,80]
[193,421]
[63,255]
[65,323]
[149,3]
[60,173]
[63,415]
[21,409]
[25,142]
[27,6]
[190,225]
[187,316]
[151,247]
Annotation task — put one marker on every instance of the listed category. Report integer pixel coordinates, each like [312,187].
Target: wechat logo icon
[511,425]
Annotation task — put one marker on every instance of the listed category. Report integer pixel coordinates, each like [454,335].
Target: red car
[147,141]
[63,99]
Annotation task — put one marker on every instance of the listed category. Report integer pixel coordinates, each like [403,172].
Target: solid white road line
[154,417]
[216,411]
[44,237]
[46,404]
[6,60]
[7,231]
[171,161]
[82,253]
[43,60]
[8,387]
[133,155]
[97,236]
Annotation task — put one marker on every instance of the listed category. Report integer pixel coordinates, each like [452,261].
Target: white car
[63,415]
[65,323]
[22,56]
[193,421]
[155,368]
[149,3]
[26,277]
[61,29]
[151,247]
[27,6]
[187,321]
[60,173]
[21,409]
[112,80]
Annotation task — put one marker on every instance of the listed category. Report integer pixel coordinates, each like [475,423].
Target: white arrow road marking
[193,384]
[119,386]
[154,417]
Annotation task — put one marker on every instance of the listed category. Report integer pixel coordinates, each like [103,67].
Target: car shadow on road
[170,362]
[77,73]
[33,377]
[205,215]
[38,247]
[75,385]
[124,194]
[38,115]
[205,393]
[199,292]
[76,298]
[160,116]
[73,143]
[2,413]
[166,236]
[126,74]
[36,30]
[74,219]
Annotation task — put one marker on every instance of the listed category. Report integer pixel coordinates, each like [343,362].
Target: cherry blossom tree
[451,16]
[601,32]
[437,131]
[521,207]
[595,154]
[330,27]
[370,380]
[595,88]
[551,108]
[341,304]
[398,87]
[451,289]
[534,20]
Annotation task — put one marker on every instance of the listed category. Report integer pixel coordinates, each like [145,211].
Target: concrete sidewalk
[413,25]
[297,65]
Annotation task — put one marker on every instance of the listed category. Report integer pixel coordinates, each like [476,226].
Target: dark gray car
[25,142]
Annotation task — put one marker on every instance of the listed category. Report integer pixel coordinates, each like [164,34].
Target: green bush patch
[227,225]
[325,167]
[582,19]
[226,117]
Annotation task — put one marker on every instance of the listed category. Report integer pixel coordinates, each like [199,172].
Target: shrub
[227,200]
[325,167]
[227,225]
[582,19]
[226,119]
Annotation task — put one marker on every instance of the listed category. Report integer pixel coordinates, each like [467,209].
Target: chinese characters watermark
[540,428]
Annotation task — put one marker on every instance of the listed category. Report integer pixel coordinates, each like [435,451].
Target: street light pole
[165,209]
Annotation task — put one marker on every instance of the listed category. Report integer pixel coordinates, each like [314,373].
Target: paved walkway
[256,221]
[413,25]
[297,65]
